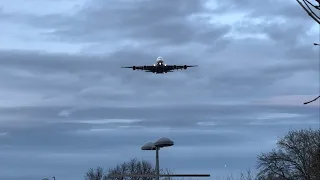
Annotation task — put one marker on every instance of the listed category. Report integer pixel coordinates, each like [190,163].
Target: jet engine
[134,67]
[144,67]
[185,66]
[174,66]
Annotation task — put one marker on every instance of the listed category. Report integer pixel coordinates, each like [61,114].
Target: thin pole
[157,164]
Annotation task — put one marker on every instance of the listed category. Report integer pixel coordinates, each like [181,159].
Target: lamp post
[160,143]
[156,146]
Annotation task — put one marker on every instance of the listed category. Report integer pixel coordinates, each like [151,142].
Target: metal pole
[157,164]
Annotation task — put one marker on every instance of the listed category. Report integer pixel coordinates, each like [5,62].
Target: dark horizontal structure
[161,175]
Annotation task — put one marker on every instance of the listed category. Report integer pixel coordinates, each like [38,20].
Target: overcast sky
[67,106]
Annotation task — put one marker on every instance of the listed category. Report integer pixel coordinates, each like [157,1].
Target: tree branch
[312,100]
[310,12]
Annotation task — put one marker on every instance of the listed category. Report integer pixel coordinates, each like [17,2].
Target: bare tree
[297,157]
[247,176]
[243,176]
[133,166]
[95,174]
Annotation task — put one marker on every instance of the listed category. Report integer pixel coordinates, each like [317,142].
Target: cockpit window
[159,58]
[160,62]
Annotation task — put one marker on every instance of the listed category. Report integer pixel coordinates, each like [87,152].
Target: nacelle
[134,67]
[185,66]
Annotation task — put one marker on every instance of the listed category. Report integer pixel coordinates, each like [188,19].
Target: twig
[309,13]
[312,100]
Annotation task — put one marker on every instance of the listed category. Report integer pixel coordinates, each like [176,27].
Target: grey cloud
[76,91]
[283,33]
[88,76]
[164,23]
[304,52]
[172,118]
[285,23]
[4,15]
[267,9]
[289,34]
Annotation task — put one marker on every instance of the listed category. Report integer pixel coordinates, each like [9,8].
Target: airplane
[160,67]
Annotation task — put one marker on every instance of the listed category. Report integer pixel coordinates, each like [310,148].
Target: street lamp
[151,146]
[160,143]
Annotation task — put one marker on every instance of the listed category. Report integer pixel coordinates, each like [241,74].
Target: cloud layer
[66,105]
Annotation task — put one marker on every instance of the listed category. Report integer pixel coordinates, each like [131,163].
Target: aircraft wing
[146,68]
[177,67]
